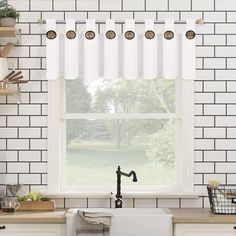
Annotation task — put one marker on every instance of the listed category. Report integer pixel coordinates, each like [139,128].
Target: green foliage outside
[142,96]
[161,148]
[94,163]
[115,141]
[119,97]
[78,99]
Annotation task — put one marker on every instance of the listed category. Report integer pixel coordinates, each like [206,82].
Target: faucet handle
[113,196]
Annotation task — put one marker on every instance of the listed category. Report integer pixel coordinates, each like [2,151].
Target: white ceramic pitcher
[4,66]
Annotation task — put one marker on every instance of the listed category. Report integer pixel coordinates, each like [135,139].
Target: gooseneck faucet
[118,201]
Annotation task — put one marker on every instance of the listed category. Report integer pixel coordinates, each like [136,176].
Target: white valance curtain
[131,55]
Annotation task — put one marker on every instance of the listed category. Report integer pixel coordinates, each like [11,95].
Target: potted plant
[35,201]
[8,14]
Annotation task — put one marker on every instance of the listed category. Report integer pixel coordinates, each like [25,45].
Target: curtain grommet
[110,34]
[149,34]
[90,35]
[129,35]
[190,34]
[169,35]
[51,34]
[70,34]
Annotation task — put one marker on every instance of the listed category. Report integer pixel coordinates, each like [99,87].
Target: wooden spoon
[9,75]
[20,82]
[14,75]
[15,79]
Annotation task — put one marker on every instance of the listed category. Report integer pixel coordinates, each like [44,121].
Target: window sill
[125,195]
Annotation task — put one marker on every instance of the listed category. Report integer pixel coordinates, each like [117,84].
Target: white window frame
[184,139]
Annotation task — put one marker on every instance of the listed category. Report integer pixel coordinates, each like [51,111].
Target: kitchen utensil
[18,97]
[14,75]
[3,86]
[7,76]
[13,189]
[20,81]
[14,79]
[4,64]
[6,50]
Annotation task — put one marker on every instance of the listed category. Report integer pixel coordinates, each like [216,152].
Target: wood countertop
[57,217]
[201,216]
[184,215]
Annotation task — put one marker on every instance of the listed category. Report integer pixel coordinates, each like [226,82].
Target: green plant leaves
[4,3]
[34,196]
[8,11]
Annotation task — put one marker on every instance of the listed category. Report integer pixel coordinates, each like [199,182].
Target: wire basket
[222,199]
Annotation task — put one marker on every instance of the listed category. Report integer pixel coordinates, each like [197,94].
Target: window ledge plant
[35,201]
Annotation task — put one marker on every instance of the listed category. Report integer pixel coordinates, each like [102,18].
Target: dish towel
[85,223]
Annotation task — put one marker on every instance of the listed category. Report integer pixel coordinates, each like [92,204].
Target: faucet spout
[130,174]
[134,176]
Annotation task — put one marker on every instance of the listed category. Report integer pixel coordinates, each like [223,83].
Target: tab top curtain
[131,55]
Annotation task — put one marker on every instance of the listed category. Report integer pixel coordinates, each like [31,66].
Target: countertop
[184,215]
[57,216]
[200,215]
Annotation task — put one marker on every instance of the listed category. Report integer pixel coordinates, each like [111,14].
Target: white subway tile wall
[23,139]
[145,203]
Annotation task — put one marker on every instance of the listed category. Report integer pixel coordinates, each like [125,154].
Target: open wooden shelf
[6,92]
[8,31]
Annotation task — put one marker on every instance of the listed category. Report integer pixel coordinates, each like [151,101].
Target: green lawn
[96,162]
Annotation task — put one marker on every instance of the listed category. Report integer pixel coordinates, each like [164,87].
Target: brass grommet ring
[90,35]
[169,34]
[190,34]
[129,35]
[51,34]
[110,34]
[149,34]
[70,34]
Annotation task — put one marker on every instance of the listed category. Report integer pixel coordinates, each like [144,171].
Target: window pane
[96,147]
[120,96]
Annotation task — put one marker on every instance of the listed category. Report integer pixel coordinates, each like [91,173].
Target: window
[141,125]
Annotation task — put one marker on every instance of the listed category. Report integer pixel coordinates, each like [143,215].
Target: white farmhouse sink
[140,211]
[138,221]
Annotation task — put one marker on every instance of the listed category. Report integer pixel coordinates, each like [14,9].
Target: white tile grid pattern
[23,143]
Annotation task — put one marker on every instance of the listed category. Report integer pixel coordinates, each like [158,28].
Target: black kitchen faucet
[118,201]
